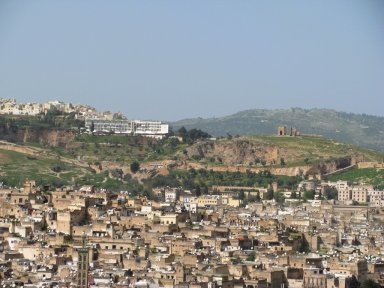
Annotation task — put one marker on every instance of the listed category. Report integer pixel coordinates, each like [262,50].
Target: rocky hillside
[362,130]
[281,155]
[45,136]
[237,151]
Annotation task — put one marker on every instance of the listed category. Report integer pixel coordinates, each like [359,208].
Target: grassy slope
[14,166]
[368,176]
[122,150]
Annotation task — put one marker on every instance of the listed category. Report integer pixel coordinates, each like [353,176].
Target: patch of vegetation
[370,176]
[135,167]
[16,167]
[113,148]
[190,136]
[330,193]
[202,179]
[309,195]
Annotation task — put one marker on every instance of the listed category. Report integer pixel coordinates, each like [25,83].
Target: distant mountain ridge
[359,129]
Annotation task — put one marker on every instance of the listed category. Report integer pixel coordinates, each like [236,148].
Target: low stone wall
[377,165]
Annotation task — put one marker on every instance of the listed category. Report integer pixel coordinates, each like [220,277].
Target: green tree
[135,167]
[117,173]
[330,192]
[309,195]
[269,194]
[279,197]
[182,132]
[370,283]
[92,128]
[251,256]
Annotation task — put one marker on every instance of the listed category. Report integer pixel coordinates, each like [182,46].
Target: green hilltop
[359,129]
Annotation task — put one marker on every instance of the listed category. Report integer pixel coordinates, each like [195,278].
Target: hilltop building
[283,131]
[154,129]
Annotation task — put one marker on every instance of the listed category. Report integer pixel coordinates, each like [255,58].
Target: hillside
[270,150]
[369,176]
[362,130]
[50,149]
[281,155]
[105,161]
[48,168]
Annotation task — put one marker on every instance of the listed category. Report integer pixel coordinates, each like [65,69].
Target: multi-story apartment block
[376,198]
[155,129]
[359,194]
[344,195]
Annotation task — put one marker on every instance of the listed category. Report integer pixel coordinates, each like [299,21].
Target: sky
[170,60]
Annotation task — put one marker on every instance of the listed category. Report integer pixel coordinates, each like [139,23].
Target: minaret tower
[82,265]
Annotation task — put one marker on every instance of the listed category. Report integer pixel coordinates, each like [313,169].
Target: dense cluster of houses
[11,107]
[82,112]
[88,237]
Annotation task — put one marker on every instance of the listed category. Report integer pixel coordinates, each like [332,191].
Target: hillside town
[89,237]
[11,107]
[95,122]
[191,144]
[319,234]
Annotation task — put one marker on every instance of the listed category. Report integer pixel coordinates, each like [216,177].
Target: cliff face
[231,155]
[237,151]
[44,136]
[331,165]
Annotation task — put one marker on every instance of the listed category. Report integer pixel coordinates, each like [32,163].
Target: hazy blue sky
[178,59]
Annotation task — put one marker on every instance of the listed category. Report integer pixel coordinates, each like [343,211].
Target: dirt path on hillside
[39,152]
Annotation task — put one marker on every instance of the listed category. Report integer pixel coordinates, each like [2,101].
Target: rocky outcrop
[237,151]
[43,136]
[244,154]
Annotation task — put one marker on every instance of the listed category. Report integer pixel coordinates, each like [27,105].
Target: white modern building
[155,129]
